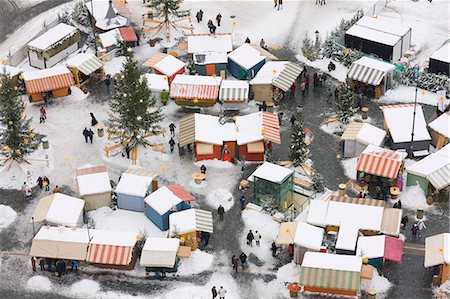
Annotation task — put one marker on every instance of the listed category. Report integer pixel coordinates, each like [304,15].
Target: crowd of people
[57,266]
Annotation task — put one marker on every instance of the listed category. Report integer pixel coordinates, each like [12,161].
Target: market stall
[160,255]
[189,90]
[437,254]
[245,62]
[357,136]
[133,186]
[380,248]
[440,60]
[94,186]
[189,224]
[440,130]
[84,66]
[233,94]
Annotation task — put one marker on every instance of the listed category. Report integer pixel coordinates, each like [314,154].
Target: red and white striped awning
[191,89]
[380,161]
[271,127]
[48,79]
[109,254]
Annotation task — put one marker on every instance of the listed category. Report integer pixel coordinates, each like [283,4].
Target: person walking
[172,144]
[280,4]
[247,40]
[274,249]
[43,115]
[221,212]
[198,16]
[56,190]
[242,202]
[293,119]
[74,265]
[234,263]
[414,230]
[26,189]
[250,238]
[222,293]
[257,238]
[404,221]
[218,19]
[275,2]
[86,134]
[42,264]
[243,163]
[203,169]
[39,181]
[93,120]
[262,44]
[303,87]
[33,263]
[107,82]
[243,259]
[46,183]
[398,204]
[420,225]
[172,129]
[201,15]
[91,135]
[214,292]
[210,26]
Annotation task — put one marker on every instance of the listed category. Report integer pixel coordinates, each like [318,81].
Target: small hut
[357,136]
[166,64]
[307,238]
[440,130]
[245,62]
[262,84]
[274,183]
[128,36]
[105,16]
[53,46]
[368,74]
[51,83]
[234,94]
[133,187]
[398,123]
[83,66]
[440,60]
[164,201]
[437,254]
[109,40]
[189,224]
[380,248]
[160,255]
[189,90]
[59,209]
[157,83]
[94,186]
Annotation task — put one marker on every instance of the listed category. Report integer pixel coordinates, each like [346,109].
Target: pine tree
[271,157]
[80,14]
[132,113]
[308,49]
[345,102]
[64,17]
[299,148]
[17,139]
[318,182]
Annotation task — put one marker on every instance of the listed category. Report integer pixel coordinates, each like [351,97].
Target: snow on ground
[443,291]
[378,283]
[412,197]
[85,287]
[220,197]
[39,283]
[406,94]
[214,164]
[267,227]
[114,66]
[349,166]
[199,262]
[7,216]
[276,288]
[123,220]
[340,73]
[333,127]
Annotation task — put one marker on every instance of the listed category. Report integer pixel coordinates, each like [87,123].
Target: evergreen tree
[272,157]
[308,49]
[299,148]
[132,112]
[80,14]
[318,182]
[345,102]
[17,139]
[64,17]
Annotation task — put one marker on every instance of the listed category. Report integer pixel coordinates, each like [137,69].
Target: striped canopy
[287,76]
[203,221]
[187,130]
[359,201]
[109,254]
[85,63]
[330,279]
[155,59]
[233,94]
[49,83]
[271,127]
[192,91]
[369,71]
[380,162]
[440,178]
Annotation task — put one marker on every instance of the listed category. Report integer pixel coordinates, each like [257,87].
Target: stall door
[210,69]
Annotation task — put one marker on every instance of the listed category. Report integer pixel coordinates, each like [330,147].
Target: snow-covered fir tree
[17,138]
[308,49]
[165,9]
[80,14]
[64,17]
[299,148]
[345,102]
[132,111]
[318,182]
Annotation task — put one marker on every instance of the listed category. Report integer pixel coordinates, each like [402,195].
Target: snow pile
[267,227]
[7,216]
[123,220]
[84,288]
[276,288]
[199,261]
[289,273]
[114,66]
[443,291]
[340,73]
[214,164]
[406,94]
[378,283]
[39,283]
[220,197]
[349,166]
[412,197]
[333,128]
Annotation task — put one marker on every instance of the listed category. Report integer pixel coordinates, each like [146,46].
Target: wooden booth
[133,187]
[188,90]
[166,64]
[437,254]
[440,60]
[85,66]
[94,186]
[357,136]
[234,94]
[440,130]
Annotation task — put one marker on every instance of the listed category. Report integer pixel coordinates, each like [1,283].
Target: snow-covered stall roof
[399,119]
[114,238]
[443,53]
[52,36]
[169,65]
[162,200]
[286,233]
[246,56]
[363,217]
[85,62]
[190,220]
[105,15]
[373,35]
[45,73]
[380,161]
[441,124]
[287,76]
[200,87]
[269,72]
[271,172]
[388,25]
[369,70]
[437,250]
[110,38]
[332,261]
[136,184]
[93,180]
[59,209]
[380,246]
[9,70]
[317,212]
[53,78]
[364,133]
[308,236]
[233,90]
[157,82]
[258,126]
[347,237]
[201,43]
[159,252]
[210,57]
[209,130]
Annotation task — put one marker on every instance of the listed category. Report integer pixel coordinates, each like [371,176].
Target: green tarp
[330,279]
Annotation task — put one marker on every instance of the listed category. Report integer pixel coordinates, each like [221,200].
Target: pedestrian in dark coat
[280,4]
[172,144]
[250,238]
[315,80]
[86,134]
[264,106]
[198,16]
[214,292]
[414,230]
[247,40]
[242,201]
[59,267]
[40,181]
[91,135]
[243,258]
[201,15]
[218,19]
[203,169]
[93,120]
[221,212]
[275,2]
[274,249]
[107,82]
[33,263]
[405,221]
[398,204]
[46,183]
[74,265]
[293,119]
[210,26]
[42,264]
[172,129]
[234,262]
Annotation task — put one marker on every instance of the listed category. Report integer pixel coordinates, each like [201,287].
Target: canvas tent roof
[190,220]
[155,59]
[135,184]
[347,237]
[380,161]
[110,38]
[332,261]
[286,233]
[200,43]
[48,79]
[187,130]
[399,119]
[59,209]
[157,82]
[169,65]
[437,250]
[317,212]
[85,63]
[233,90]
[364,133]
[210,57]
[52,36]
[308,236]
[207,129]
[200,87]
[373,35]
[271,172]
[258,126]
[288,76]
[93,180]
[388,25]
[269,72]
[385,247]
[246,56]
[159,252]
[390,223]
[359,200]
[269,56]
[369,70]
[442,124]
[443,53]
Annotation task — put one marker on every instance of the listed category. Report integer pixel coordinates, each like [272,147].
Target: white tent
[189,221]
[358,135]
[332,261]
[308,236]
[437,250]
[160,252]
[271,172]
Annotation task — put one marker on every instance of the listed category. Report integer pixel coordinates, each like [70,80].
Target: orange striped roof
[128,34]
[155,59]
[271,126]
[35,83]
